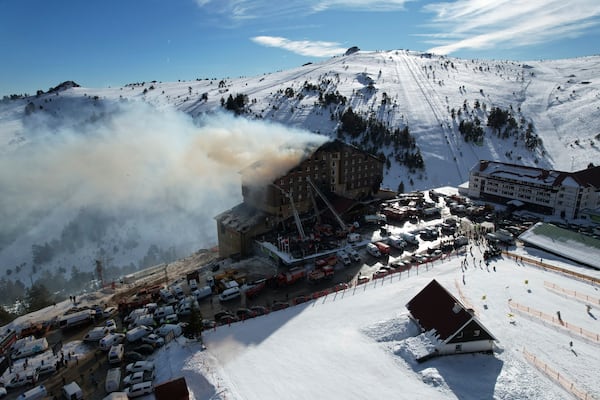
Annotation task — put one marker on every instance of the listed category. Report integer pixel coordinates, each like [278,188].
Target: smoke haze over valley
[134,175]
[109,186]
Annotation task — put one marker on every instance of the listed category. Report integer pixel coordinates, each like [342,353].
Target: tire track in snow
[437,110]
[437,119]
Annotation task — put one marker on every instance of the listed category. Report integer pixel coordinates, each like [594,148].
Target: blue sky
[114,42]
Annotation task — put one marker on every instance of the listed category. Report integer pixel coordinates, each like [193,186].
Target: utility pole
[166,275]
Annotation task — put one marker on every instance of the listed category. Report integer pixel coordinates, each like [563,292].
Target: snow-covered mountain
[160,159]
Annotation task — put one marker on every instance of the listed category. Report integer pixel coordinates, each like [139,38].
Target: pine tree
[37,297]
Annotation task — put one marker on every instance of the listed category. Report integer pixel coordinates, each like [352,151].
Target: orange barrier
[567,384]
[594,337]
[549,267]
[572,293]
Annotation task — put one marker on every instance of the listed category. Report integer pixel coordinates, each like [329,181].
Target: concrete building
[570,195]
[336,169]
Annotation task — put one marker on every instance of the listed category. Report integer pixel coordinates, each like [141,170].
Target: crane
[294,211]
[322,196]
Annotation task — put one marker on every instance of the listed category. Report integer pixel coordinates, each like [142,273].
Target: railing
[563,381]
[572,293]
[556,321]
[541,264]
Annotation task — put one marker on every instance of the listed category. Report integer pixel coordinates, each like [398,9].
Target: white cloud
[481,24]
[302,47]
[254,9]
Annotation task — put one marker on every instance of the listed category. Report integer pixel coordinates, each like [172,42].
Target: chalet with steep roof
[456,327]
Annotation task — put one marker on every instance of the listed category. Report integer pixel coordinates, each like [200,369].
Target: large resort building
[566,195]
[335,169]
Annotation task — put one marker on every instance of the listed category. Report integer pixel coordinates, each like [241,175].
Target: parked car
[138,377]
[2,392]
[244,313]
[301,299]
[110,323]
[279,305]
[145,349]
[109,311]
[154,340]
[139,389]
[133,356]
[380,273]
[221,314]
[259,310]
[228,319]
[170,319]
[208,324]
[46,368]
[399,265]
[139,366]
[339,286]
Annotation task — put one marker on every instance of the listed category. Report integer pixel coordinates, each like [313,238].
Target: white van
[167,328]
[144,319]
[139,389]
[72,391]
[115,354]
[373,250]
[193,284]
[134,314]
[353,254]
[409,238]
[162,312]
[111,339]
[397,242]
[38,392]
[167,296]
[113,380]
[46,368]
[229,294]
[178,292]
[137,333]
[343,257]
[98,333]
[202,292]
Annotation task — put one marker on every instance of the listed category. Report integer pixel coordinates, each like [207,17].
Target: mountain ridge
[405,105]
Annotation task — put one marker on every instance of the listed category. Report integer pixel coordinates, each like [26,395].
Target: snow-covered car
[109,311]
[138,377]
[154,340]
[380,273]
[139,366]
[139,389]
[340,286]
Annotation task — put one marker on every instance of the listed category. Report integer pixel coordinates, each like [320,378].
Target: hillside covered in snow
[134,175]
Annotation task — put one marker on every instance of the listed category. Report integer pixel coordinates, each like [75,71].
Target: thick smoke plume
[141,161]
